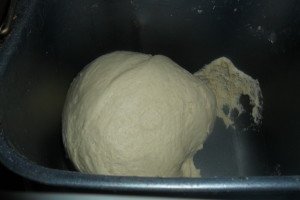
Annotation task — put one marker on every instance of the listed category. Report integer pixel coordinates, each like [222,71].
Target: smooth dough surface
[134,114]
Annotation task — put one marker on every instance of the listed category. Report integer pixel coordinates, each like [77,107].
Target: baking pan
[51,41]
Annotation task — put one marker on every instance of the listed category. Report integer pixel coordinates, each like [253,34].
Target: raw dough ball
[133,114]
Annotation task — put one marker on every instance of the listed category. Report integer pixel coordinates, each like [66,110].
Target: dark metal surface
[7,8]
[181,186]
[3,9]
[52,40]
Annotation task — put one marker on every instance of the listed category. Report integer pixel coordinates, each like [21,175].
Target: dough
[134,114]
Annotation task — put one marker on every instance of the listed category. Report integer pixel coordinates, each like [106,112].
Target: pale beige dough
[134,114]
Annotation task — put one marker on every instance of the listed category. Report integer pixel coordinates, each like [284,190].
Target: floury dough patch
[134,114]
[228,85]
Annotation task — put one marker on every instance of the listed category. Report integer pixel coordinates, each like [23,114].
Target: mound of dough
[137,115]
